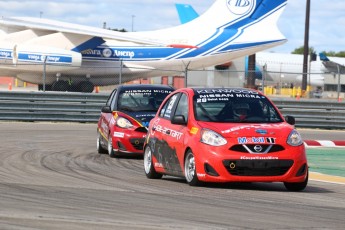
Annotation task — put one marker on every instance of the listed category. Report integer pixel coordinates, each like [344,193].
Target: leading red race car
[123,123]
[224,135]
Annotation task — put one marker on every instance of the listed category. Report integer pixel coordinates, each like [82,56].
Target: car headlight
[294,138]
[123,123]
[212,138]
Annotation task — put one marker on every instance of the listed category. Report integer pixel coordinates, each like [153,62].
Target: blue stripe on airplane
[218,42]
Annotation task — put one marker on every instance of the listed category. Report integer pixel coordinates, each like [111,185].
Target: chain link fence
[104,77]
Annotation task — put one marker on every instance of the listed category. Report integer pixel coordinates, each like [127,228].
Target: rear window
[233,105]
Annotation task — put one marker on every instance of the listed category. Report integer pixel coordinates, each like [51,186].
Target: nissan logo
[258,148]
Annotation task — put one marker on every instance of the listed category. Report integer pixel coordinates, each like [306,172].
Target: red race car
[123,123]
[224,135]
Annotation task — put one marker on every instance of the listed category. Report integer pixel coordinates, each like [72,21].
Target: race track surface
[51,177]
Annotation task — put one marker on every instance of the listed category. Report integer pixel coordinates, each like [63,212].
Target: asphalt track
[51,177]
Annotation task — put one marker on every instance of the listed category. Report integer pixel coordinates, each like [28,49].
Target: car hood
[143,117]
[230,130]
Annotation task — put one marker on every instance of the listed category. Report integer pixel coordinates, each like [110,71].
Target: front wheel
[295,187]
[100,148]
[190,169]
[111,151]
[148,165]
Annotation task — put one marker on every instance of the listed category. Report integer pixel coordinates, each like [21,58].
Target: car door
[165,155]
[106,117]
[171,135]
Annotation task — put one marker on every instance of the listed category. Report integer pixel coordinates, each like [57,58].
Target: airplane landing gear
[60,85]
[85,87]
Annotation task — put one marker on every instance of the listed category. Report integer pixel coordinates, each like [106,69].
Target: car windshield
[137,100]
[229,105]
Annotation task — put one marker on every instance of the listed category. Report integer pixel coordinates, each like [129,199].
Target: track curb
[324,143]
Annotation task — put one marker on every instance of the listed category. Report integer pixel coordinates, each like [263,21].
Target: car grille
[251,148]
[137,143]
[257,167]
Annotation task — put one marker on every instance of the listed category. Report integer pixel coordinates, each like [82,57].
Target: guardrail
[86,107]
[51,106]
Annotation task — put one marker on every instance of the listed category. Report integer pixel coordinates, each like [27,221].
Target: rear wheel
[148,165]
[190,169]
[295,187]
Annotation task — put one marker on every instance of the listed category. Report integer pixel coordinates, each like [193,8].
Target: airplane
[68,53]
[281,68]
[336,65]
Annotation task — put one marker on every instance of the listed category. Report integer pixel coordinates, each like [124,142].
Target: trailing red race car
[224,135]
[123,123]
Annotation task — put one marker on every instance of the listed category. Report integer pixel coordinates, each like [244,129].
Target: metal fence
[78,78]
[86,107]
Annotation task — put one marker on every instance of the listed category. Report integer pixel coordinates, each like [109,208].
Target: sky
[327,18]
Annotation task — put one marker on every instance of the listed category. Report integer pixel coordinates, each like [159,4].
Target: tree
[300,50]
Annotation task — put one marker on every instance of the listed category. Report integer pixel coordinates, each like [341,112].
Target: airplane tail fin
[234,24]
[323,57]
[186,12]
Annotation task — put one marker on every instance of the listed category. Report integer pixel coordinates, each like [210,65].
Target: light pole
[133,16]
[306,48]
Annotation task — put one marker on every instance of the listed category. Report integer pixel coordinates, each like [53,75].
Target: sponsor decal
[227,91]
[145,123]
[261,131]
[164,130]
[258,158]
[254,126]
[194,130]
[201,174]
[240,7]
[224,95]
[138,91]
[124,53]
[107,52]
[118,134]
[42,58]
[256,140]
[5,54]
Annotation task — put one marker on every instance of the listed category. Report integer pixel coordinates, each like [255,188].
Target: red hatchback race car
[123,123]
[224,135]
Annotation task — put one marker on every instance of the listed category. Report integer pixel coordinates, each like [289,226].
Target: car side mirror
[106,109]
[178,120]
[290,119]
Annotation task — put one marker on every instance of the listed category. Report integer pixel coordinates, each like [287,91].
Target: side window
[168,107]
[110,99]
[182,107]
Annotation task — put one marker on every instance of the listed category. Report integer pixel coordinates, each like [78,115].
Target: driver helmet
[241,109]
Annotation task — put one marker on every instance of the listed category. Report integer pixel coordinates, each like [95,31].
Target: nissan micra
[124,119]
[224,135]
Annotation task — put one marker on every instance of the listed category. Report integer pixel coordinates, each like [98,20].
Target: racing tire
[111,151]
[296,187]
[150,171]
[190,170]
[100,148]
